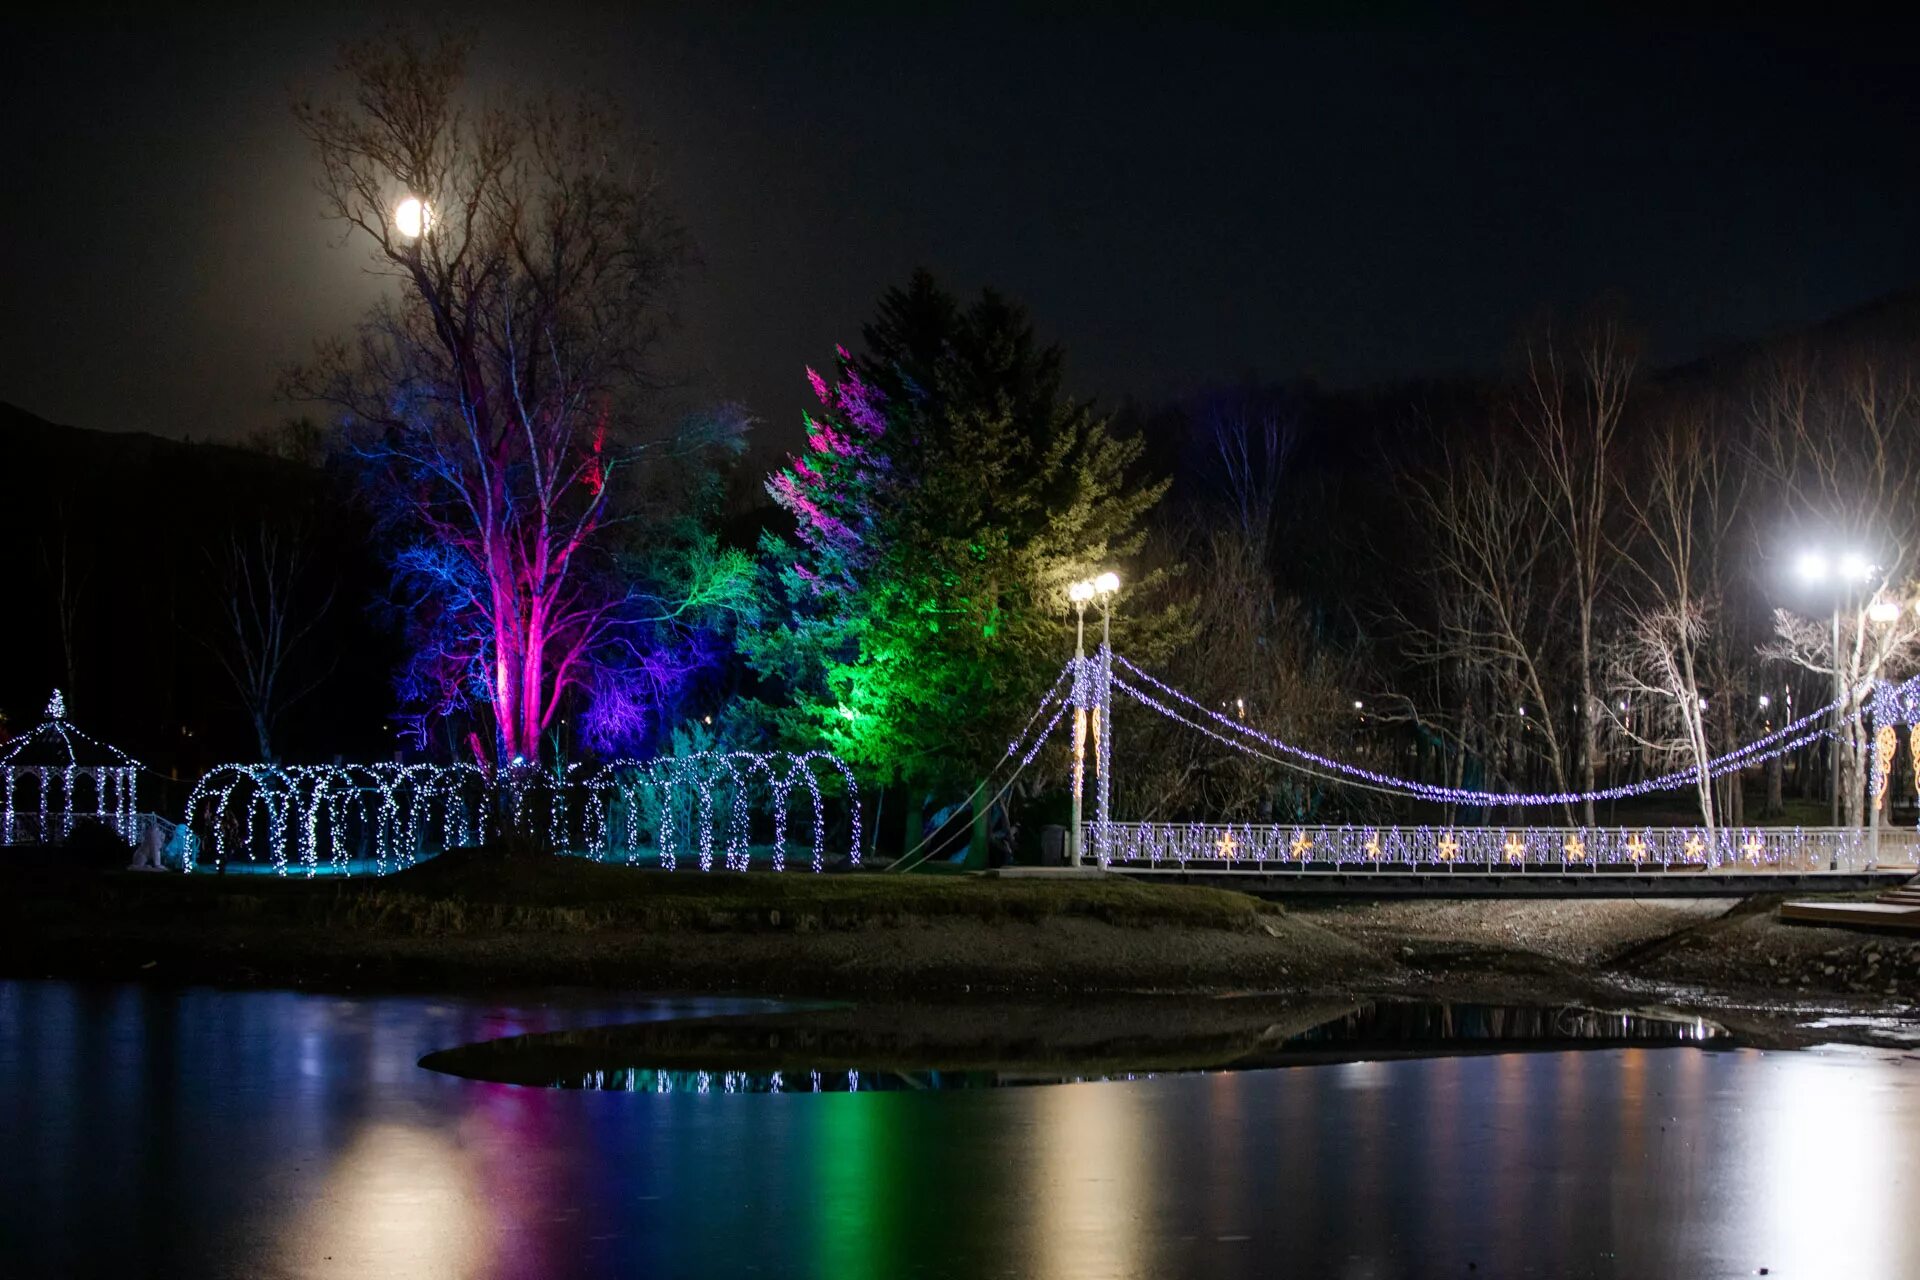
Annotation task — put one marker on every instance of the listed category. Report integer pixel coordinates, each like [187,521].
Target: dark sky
[1181,201]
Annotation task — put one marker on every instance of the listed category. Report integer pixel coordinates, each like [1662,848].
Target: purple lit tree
[496,393]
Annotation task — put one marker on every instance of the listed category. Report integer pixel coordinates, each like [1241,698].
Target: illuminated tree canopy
[498,396]
[949,493]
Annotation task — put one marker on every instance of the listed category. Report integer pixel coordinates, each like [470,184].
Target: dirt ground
[873,937]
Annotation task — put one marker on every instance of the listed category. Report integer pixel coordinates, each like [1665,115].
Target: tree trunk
[977,841]
[1589,734]
[910,820]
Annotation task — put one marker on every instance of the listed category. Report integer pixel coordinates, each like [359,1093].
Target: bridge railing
[1268,847]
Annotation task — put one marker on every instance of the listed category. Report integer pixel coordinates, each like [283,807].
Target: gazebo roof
[55,744]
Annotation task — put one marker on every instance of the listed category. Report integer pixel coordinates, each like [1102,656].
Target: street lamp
[1099,588]
[1850,569]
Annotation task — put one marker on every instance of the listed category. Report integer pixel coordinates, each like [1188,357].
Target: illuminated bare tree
[1572,402]
[497,393]
[1837,439]
[1496,598]
[1682,514]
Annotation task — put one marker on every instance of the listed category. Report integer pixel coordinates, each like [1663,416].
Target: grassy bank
[478,920]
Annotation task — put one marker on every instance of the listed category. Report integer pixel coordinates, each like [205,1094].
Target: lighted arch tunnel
[346,819]
[681,800]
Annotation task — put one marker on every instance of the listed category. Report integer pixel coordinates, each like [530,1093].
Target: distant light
[1080,592]
[1703,704]
[1357,704]
[1884,611]
[413,217]
[1854,567]
[1812,566]
[1107,583]
[1765,702]
[1523,711]
[1623,706]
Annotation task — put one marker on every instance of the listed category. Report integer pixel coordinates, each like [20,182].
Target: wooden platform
[1897,908]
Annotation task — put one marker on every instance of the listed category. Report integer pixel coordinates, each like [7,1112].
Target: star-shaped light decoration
[1449,847]
[1516,847]
[1636,848]
[1224,846]
[1752,849]
[1576,848]
[1372,846]
[1302,845]
[1694,846]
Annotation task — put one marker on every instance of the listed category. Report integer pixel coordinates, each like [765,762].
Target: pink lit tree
[496,393]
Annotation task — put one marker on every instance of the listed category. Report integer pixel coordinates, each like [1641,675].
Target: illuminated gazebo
[54,775]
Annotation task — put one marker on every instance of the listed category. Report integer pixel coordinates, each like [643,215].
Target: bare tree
[1681,521]
[68,572]
[1836,438]
[267,611]
[1573,400]
[1496,601]
[497,394]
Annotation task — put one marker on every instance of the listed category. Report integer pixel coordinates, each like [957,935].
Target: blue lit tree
[497,396]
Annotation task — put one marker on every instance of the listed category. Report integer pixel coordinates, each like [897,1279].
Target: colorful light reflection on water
[251,1134]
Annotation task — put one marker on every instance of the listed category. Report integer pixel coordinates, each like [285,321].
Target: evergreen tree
[950,494]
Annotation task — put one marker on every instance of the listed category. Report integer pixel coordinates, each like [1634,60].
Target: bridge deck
[1584,883]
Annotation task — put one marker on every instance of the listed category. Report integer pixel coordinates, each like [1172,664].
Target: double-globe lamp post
[1851,571]
[1102,589]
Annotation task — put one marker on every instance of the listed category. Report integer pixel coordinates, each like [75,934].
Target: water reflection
[936,1048]
[400,1200]
[246,1134]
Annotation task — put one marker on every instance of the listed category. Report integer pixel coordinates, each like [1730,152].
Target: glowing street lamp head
[1884,611]
[1080,592]
[413,217]
[1107,583]
[1854,567]
[1811,566]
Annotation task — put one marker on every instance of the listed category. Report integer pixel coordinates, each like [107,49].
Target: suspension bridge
[1448,858]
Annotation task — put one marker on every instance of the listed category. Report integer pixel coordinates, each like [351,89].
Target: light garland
[1275,847]
[383,817]
[50,757]
[1788,738]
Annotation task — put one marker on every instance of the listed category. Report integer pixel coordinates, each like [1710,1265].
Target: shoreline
[491,924]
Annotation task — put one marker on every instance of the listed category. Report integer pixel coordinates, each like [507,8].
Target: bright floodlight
[412,217]
[1854,567]
[1884,611]
[1812,566]
[1107,583]
[1080,592]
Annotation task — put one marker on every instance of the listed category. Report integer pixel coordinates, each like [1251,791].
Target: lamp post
[1100,588]
[1079,593]
[1851,569]
[1104,588]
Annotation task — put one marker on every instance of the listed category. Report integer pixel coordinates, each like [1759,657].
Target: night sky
[1181,201]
